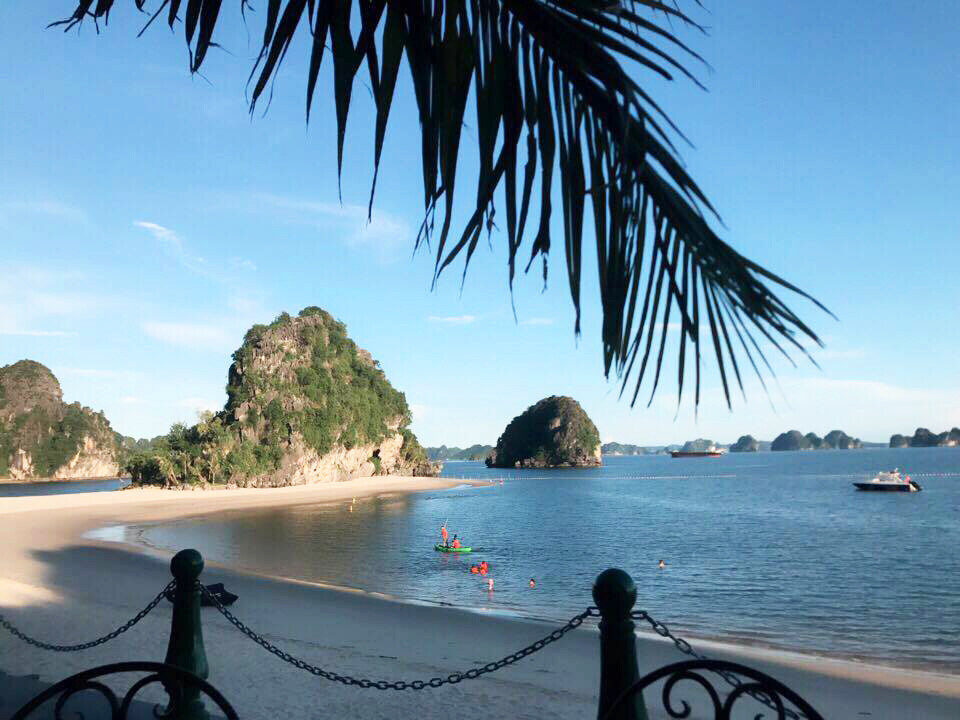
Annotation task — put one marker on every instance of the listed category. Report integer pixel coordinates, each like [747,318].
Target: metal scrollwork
[173,679]
[755,685]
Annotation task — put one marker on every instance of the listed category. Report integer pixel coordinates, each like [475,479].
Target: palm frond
[551,77]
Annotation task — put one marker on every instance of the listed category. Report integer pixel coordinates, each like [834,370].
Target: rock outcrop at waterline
[834,440]
[42,437]
[746,443]
[924,438]
[305,405]
[555,432]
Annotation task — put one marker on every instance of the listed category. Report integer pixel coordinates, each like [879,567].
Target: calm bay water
[775,549]
[61,487]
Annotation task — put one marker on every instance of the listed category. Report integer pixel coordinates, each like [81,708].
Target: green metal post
[185,649]
[615,593]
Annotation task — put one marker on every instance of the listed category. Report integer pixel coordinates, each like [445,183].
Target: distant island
[444,453]
[833,440]
[615,448]
[924,438]
[554,432]
[745,443]
[42,437]
[305,405]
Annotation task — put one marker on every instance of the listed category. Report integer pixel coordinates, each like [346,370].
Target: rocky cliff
[474,453]
[41,437]
[833,440]
[555,432]
[746,443]
[305,405]
[924,438]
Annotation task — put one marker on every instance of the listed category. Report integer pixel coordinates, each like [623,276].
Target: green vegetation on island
[305,404]
[615,448]
[444,453]
[834,440]
[924,438]
[745,443]
[554,432]
[698,445]
[43,437]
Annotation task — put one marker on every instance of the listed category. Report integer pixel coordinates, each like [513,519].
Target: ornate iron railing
[184,672]
[752,686]
[178,684]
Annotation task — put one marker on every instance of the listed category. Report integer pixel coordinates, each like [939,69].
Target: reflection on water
[774,548]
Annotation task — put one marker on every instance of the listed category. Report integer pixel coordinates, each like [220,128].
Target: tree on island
[553,78]
[746,443]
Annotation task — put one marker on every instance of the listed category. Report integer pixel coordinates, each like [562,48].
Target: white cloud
[418,411]
[829,354]
[37,333]
[198,404]
[46,208]
[452,319]
[175,247]
[537,321]
[381,229]
[32,299]
[103,374]
[196,336]
[868,409]
[241,264]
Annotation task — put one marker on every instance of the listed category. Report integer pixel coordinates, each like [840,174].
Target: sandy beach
[62,587]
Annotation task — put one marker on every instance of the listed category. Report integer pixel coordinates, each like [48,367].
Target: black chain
[93,643]
[434,682]
[683,646]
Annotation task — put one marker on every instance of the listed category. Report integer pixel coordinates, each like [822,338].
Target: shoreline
[839,666]
[801,658]
[49,562]
[45,481]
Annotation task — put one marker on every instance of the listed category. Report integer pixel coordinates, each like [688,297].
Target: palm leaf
[559,78]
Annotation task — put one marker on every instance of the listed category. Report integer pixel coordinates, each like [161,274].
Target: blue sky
[146,221]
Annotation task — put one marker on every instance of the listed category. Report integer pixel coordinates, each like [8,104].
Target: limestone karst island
[553,433]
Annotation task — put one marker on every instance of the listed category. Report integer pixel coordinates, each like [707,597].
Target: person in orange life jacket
[474,569]
[456,543]
[443,534]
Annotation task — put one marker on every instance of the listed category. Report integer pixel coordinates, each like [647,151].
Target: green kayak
[447,548]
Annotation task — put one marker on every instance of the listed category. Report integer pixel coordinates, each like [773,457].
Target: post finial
[614,592]
[186,565]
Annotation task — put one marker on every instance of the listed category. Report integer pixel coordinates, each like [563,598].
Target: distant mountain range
[444,453]
[746,443]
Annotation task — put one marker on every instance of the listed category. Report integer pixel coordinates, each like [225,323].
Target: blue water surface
[61,487]
[775,549]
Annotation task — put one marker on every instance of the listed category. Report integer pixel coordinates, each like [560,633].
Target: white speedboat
[891,481]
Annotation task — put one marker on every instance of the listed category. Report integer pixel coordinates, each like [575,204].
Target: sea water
[771,549]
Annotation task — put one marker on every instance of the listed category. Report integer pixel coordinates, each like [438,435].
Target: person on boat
[661,564]
[456,543]
[532,584]
[443,534]
[483,567]
[475,569]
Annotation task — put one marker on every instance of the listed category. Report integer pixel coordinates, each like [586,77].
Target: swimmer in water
[490,584]
[661,564]
[532,584]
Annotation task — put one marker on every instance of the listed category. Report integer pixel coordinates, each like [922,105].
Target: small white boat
[891,481]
